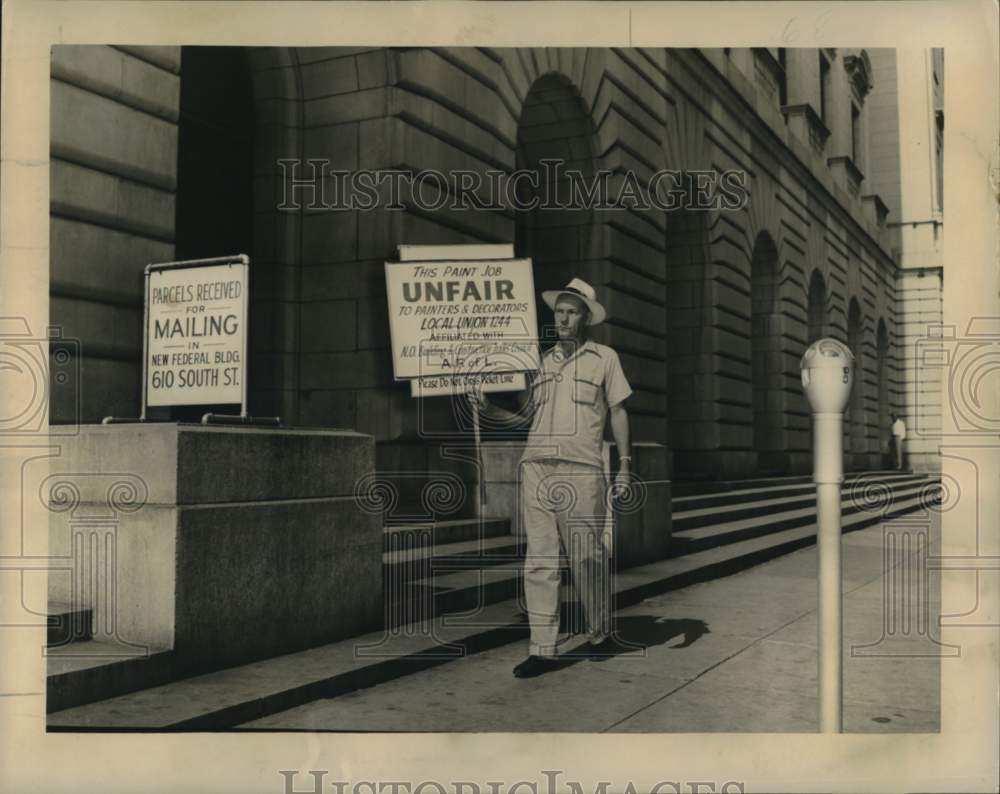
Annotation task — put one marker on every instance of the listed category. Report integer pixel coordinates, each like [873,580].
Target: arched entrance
[817,307]
[766,357]
[215,153]
[241,111]
[691,410]
[555,134]
[215,145]
[856,424]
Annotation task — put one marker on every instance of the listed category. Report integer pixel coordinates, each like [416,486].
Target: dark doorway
[214,165]
[856,420]
[215,153]
[766,357]
[817,307]
[555,128]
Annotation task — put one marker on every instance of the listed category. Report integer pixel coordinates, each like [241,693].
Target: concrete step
[419,510]
[712,501]
[700,566]
[463,591]
[86,669]
[399,536]
[416,550]
[226,699]
[445,592]
[702,488]
[684,520]
[78,672]
[67,624]
[696,538]
[415,563]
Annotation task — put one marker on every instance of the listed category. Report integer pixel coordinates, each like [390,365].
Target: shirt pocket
[541,388]
[585,391]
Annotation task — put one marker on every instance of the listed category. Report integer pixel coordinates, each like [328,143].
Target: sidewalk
[737,654]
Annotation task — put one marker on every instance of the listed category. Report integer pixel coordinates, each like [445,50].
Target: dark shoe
[534,665]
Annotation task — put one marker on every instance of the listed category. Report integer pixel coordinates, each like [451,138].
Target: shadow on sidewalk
[636,633]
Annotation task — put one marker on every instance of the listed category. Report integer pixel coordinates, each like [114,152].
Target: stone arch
[707,253]
[856,421]
[817,312]
[766,354]
[882,363]
[690,347]
[556,136]
[555,126]
[693,413]
[571,105]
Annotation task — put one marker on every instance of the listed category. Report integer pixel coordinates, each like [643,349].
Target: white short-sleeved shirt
[899,429]
[571,399]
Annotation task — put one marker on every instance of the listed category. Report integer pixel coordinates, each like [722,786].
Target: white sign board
[196,334]
[443,385]
[458,318]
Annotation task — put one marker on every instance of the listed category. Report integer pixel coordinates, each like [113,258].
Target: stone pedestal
[642,527]
[643,524]
[224,544]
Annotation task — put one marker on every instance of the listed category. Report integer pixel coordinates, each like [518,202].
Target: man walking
[898,436]
[562,484]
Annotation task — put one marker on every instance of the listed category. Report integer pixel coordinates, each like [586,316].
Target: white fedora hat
[578,288]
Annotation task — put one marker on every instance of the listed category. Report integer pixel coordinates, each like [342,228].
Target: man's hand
[477,399]
[623,481]
[620,432]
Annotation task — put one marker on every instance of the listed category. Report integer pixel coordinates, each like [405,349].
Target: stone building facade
[908,150]
[168,153]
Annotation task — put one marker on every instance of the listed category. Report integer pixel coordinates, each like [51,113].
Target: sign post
[827,376]
[194,343]
[481,489]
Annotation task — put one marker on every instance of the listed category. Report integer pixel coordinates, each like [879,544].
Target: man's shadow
[634,634]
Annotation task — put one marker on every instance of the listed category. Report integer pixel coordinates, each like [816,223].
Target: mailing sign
[196,335]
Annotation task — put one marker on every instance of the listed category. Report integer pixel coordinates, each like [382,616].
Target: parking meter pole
[828,475]
[827,377]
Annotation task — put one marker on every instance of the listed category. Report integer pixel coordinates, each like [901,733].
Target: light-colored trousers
[563,507]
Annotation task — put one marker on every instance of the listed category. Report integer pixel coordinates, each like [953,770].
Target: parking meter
[827,377]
